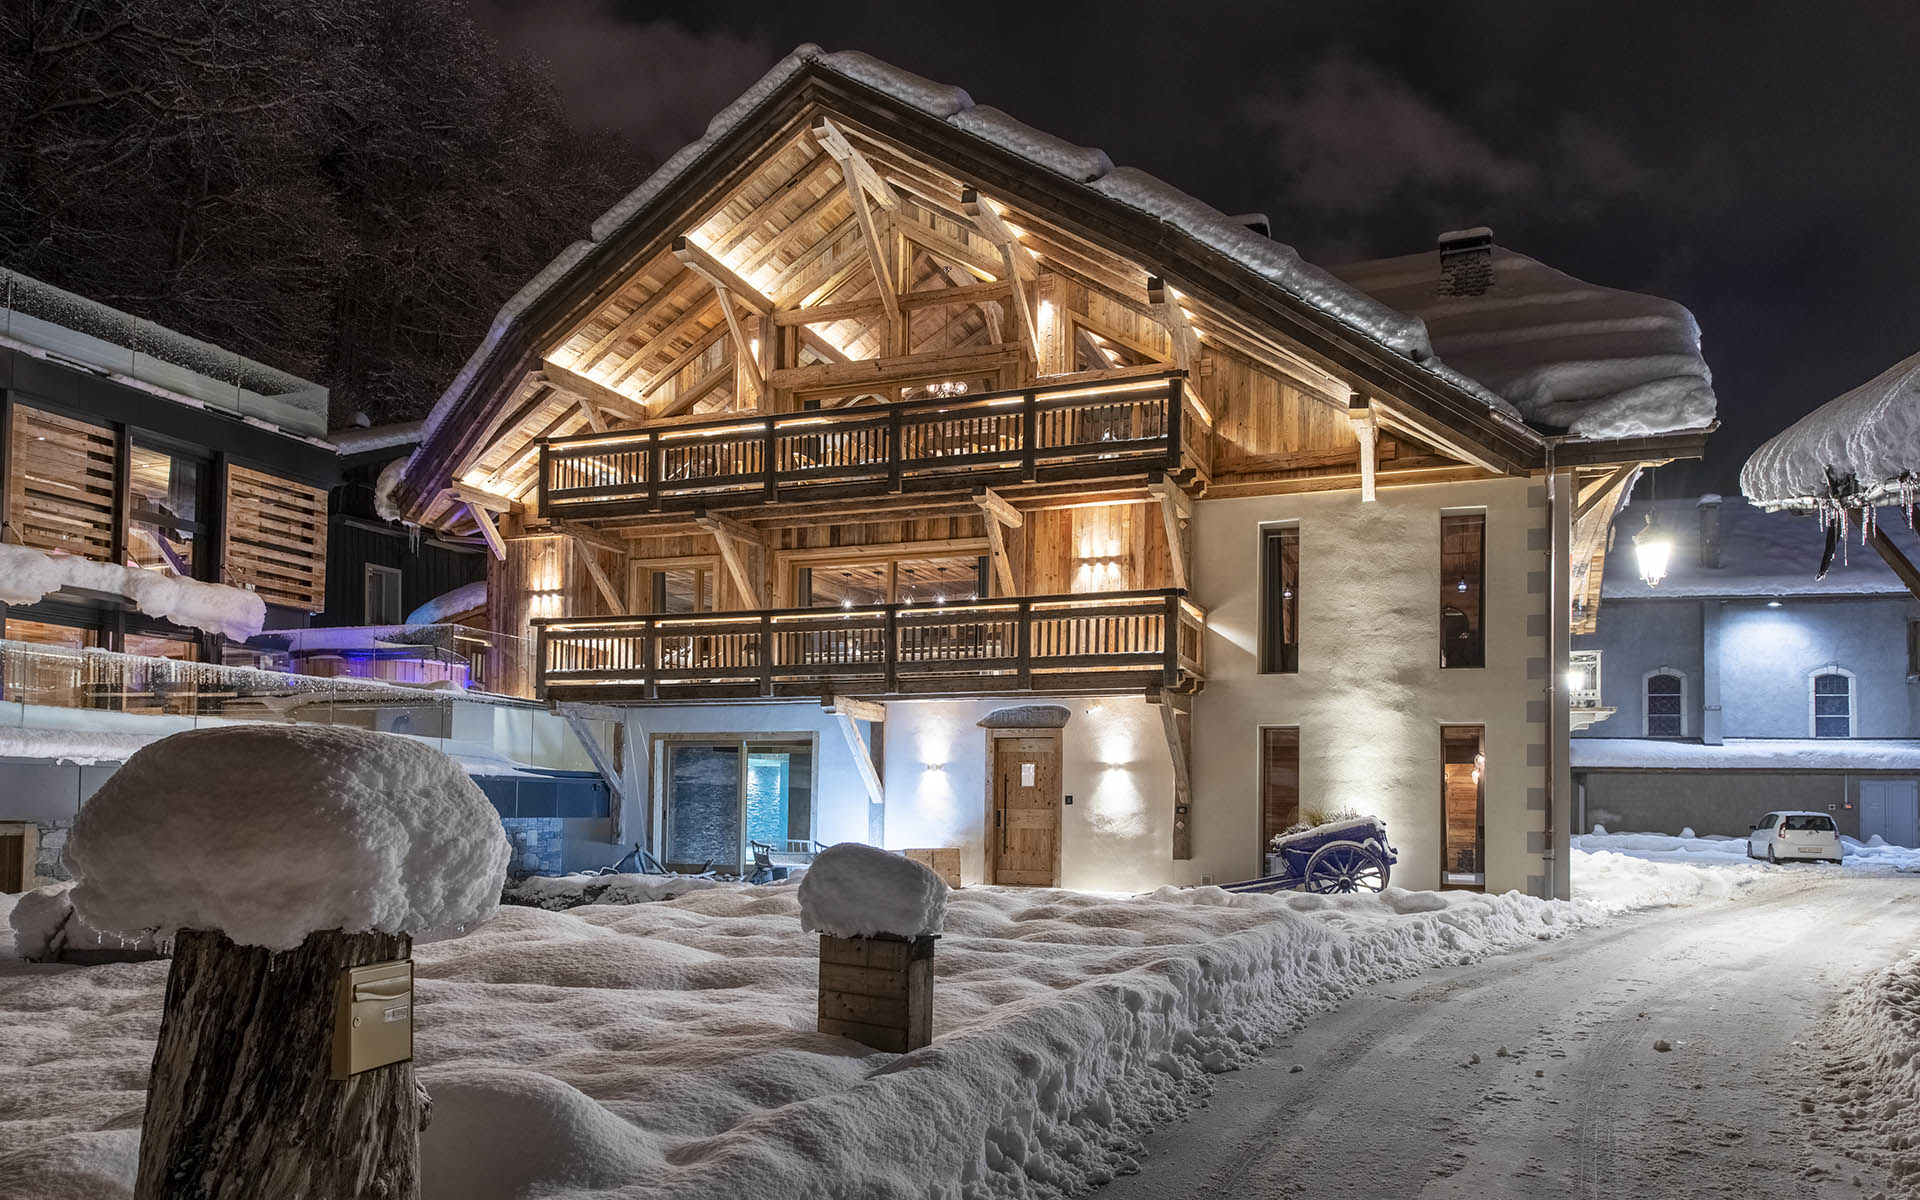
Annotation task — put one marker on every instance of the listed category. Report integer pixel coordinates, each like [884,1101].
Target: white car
[1788,835]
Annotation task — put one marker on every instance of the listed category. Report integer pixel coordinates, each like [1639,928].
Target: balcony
[1104,643]
[1073,431]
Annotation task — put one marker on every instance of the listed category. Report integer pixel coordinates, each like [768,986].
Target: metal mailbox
[373,1017]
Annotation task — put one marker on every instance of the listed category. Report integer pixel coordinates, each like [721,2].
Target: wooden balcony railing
[1073,431]
[1112,642]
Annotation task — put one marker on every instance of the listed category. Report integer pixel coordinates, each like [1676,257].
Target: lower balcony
[1061,645]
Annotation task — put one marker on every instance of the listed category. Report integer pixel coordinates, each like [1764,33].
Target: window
[1280,601]
[163,510]
[1809,823]
[1463,603]
[380,602]
[722,794]
[1666,703]
[1830,702]
[1463,829]
[671,590]
[892,581]
[1279,782]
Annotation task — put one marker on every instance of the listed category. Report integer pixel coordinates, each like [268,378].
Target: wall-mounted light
[1461,586]
[1773,604]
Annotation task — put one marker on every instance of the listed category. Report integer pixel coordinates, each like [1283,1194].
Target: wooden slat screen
[60,484]
[1279,780]
[276,539]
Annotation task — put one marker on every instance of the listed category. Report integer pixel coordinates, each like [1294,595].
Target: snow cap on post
[854,890]
[270,832]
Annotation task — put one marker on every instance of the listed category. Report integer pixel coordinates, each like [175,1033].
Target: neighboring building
[891,471]
[164,530]
[1742,683]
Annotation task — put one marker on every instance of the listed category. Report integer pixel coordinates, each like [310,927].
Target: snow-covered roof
[1862,447]
[1596,361]
[1761,554]
[1279,264]
[57,324]
[1749,754]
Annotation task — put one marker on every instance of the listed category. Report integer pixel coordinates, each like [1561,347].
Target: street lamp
[1653,548]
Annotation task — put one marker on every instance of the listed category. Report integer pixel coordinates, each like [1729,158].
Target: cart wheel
[1340,867]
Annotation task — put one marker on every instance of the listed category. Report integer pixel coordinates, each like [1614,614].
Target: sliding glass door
[721,794]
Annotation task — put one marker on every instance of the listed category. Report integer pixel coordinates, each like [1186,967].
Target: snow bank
[272,832]
[1863,446]
[559,892]
[1876,1042]
[28,575]
[447,605]
[853,890]
[82,746]
[1719,850]
[39,920]
[1596,361]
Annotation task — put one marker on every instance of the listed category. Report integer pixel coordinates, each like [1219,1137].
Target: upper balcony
[1075,431]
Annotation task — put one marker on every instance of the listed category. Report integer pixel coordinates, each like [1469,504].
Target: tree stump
[242,1103]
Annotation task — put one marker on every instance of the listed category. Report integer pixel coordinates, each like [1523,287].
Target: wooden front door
[1026,811]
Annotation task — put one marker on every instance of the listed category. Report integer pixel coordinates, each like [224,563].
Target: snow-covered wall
[1370,696]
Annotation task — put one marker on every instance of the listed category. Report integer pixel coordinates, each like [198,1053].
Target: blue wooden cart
[1345,856]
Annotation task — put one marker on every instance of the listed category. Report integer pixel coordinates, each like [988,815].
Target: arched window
[1830,702]
[1665,714]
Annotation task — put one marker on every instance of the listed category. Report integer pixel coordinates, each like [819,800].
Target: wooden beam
[881,370]
[1174,505]
[592,414]
[578,387]
[721,276]
[600,581]
[1186,340]
[476,497]
[682,281]
[1015,261]
[998,511]
[859,710]
[1178,750]
[603,762]
[729,535]
[1002,562]
[659,342]
[1366,427]
[864,178]
[1899,562]
[684,400]
[1604,488]
[862,759]
[488,530]
[684,359]
[745,227]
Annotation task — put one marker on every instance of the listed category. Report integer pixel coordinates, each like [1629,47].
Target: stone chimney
[1466,262]
[1709,510]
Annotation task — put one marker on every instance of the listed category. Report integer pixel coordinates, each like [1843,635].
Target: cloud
[655,83]
[1352,140]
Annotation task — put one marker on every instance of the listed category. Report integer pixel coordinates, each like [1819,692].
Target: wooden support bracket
[862,758]
[488,530]
[1186,340]
[604,761]
[859,710]
[1366,427]
[729,535]
[1015,259]
[600,581]
[1175,507]
[1900,563]
[1171,712]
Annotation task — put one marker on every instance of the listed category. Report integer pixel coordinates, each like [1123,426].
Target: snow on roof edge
[1276,262]
[1861,448]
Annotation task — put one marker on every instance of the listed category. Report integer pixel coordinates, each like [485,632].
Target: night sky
[1754,161]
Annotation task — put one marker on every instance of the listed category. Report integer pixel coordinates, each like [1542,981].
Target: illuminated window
[1463,789]
[1280,601]
[947,580]
[1463,604]
[164,509]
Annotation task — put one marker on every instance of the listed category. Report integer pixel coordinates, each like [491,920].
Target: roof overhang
[584,277]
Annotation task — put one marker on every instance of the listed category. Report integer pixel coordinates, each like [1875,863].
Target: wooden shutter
[275,540]
[1279,780]
[60,484]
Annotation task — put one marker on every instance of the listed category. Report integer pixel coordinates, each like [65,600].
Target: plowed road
[1568,1096]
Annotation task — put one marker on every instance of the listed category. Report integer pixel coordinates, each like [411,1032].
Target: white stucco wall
[1117,835]
[1370,696]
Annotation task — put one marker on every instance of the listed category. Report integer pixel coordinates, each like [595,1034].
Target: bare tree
[345,188]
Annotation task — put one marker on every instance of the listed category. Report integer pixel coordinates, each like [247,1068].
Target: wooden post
[242,1103]
[877,990]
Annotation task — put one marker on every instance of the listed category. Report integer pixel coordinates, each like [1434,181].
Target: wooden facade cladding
[275,539]
[1073,644]
[63,485]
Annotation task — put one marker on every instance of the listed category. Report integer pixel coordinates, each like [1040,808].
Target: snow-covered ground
[1871,855]
[668,1048]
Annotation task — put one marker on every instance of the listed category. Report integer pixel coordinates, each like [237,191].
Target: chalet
[889,470]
